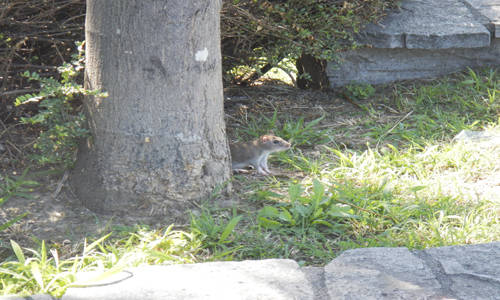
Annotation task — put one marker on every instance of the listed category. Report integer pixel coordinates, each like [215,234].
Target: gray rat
[255,153]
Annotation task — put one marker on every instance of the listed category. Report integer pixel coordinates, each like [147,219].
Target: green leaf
[343,158]
[18,252]
[43,255]
[317,213]
[468,82]
[229,228]
[301,210]
[267,223]
[221,255]
[417,188]
[286,216]
[14,274]
[87,249]
[295,191]
[313,123]
[9,223]
[341,212]
[23,195]
[30,183]
[269,211]
[35,270]
[318,193]
[323,222]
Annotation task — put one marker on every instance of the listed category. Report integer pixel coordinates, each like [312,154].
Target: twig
[4,126]
[346,97]
[392,128]
[7,128]
[14,146]
[15,92]
[60,185]
[389,108]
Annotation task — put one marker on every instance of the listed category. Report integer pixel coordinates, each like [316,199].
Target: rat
[255,153]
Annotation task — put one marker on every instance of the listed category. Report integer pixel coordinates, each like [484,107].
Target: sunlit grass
[42,270]
[412,186]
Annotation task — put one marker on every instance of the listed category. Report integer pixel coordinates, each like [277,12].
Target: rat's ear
[270,132]
[265,138]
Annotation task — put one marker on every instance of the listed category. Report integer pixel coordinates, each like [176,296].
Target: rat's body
[255,153]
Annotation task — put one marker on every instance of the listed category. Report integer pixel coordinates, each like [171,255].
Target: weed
[360,91]
[304,212]
[214,232]
[20,187]
[298,132]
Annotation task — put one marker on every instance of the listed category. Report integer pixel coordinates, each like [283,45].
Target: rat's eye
[276,142]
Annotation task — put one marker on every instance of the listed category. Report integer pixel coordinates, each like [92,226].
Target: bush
[256,33]
[62,124]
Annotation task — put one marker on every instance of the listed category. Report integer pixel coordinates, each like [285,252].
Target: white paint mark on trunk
[201,55]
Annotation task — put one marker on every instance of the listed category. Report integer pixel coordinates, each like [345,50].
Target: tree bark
[316,69]
[158,142]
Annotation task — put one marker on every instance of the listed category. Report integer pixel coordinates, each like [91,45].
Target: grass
[20,187]
[409,185]
[42,271]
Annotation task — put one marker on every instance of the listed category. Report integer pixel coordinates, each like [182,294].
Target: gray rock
[474,270]
[489,12]
[427,24]
[486,139]
[477,136]
[380,273]
[455,272]
[316,278]
[265,279]
[488,8]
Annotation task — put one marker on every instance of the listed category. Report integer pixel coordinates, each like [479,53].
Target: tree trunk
[315,69]
[158,142]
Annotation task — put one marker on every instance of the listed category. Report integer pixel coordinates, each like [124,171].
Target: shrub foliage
[261,33]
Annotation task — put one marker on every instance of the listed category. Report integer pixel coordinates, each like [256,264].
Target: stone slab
[378,66]
[316,278]
[454,272]
[264,279]
[489,137]
[470,279]
[488,8]
[381,273]
[490,11]
[427,24]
